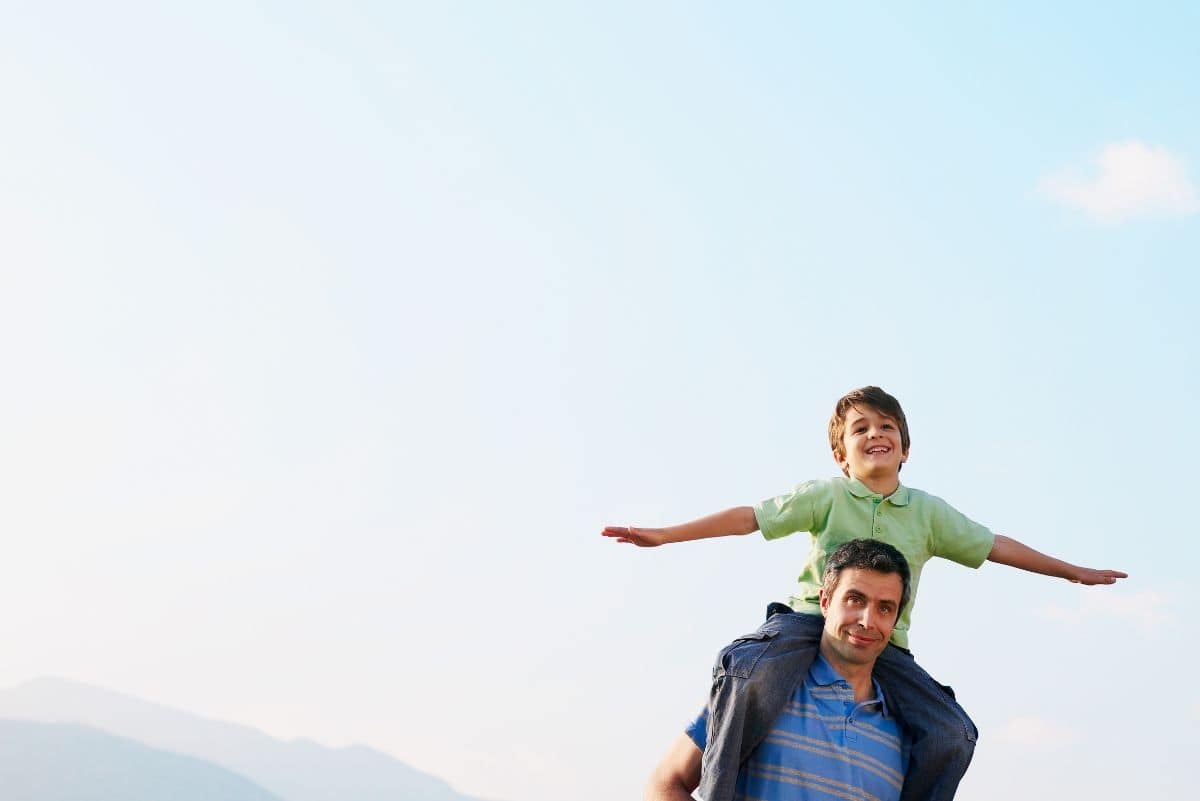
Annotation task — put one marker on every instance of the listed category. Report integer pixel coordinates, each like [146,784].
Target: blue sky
[333,335]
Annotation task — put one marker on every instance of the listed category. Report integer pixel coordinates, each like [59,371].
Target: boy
[869,437]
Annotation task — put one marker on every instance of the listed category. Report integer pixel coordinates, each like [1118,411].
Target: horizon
[119,746]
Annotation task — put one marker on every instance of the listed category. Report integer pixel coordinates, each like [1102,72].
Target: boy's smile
[873,449]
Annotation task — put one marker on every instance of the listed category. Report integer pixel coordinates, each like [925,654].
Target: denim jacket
[753,679]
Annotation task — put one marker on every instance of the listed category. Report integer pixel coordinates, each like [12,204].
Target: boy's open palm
[641,537]
[1091,577]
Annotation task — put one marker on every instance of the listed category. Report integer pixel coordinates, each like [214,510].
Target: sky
[333,335]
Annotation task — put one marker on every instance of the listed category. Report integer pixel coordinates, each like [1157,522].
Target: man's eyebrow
[861,594]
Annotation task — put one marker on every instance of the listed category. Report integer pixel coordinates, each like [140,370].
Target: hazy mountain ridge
[70,762]
[297,770]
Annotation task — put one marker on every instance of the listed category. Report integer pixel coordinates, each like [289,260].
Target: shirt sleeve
[957,537]
[697,730]
[793,511]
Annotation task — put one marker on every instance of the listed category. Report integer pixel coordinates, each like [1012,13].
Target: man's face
[872,444]
[860,614]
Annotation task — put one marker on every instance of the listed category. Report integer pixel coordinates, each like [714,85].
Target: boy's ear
[904,456]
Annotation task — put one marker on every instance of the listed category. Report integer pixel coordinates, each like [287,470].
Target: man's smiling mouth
[860,638]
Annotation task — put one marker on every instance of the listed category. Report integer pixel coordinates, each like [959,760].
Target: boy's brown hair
[871,397]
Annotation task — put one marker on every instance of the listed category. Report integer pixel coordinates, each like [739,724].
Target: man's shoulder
[786,642]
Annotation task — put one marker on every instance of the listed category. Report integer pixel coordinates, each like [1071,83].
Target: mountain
[67,762]
[296,770]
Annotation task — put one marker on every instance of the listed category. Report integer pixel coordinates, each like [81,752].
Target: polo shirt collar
[822,674]
[883,705]
[900,497]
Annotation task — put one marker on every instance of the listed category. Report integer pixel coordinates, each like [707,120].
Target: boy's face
[872,445]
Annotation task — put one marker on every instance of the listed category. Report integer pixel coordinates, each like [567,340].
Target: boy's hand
[641,537]
[1090,577]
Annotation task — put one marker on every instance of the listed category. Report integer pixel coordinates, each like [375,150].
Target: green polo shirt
[838,510]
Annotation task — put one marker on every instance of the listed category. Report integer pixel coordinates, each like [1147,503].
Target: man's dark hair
[867,555]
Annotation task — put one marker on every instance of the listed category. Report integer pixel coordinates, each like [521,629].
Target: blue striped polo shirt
[823,747]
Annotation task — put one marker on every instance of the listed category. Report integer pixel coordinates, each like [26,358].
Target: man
[836,738]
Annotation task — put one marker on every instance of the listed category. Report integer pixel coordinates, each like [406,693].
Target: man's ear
[824,601]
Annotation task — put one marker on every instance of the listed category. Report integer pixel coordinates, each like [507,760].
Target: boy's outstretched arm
[1007,551]
[738,520]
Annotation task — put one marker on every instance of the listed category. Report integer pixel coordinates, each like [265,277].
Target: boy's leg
[753,679]
[941,735]
[776,608]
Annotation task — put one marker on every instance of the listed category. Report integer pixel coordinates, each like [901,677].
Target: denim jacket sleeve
[753,679]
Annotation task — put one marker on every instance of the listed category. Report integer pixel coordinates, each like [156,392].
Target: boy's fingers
[1110,576]
[621,533]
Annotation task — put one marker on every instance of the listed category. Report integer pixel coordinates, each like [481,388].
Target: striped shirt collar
[822,674]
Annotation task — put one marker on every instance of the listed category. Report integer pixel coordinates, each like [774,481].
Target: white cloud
[1035,732]
[1132,179]
[1148,610]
